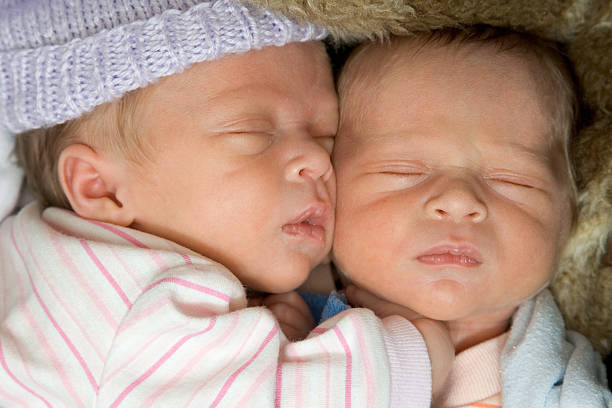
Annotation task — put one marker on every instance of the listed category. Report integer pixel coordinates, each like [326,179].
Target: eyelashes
[514,187]
[523,189]
[247,142]
[254,142]
[512,181]
[406,173]
[407,168]
[396,178]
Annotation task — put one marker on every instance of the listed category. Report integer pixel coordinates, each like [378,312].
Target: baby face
[451,199]
[239,167]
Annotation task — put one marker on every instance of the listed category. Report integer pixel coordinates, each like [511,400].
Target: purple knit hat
[61,58]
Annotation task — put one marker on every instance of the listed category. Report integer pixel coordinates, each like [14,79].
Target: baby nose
[311,161]
[456,200]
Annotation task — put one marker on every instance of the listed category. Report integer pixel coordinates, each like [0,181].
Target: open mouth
[310,224]
[451,255]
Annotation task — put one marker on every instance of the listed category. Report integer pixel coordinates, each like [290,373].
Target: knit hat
[61,58]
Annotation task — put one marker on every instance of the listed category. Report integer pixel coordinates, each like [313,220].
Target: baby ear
[91,182]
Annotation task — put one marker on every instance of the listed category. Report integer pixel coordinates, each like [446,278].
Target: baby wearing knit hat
[179,151]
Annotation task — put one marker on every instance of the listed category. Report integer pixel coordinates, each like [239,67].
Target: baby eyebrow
[540,154]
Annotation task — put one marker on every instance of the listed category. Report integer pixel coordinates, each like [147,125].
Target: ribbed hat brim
[50,84]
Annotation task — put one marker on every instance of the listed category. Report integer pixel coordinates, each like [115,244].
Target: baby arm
[437,338]
[190,340]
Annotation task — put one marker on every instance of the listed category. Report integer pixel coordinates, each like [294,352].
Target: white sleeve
[183,343]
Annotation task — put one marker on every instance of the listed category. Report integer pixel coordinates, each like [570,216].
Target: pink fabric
[167,327]
[475,375]
[410,366]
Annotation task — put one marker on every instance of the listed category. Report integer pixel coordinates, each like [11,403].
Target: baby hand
[358,297]
[292,313]
[435,333]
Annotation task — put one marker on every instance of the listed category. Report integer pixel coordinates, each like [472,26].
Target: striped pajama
[95,315]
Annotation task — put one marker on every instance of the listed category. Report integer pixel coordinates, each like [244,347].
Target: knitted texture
[61,58]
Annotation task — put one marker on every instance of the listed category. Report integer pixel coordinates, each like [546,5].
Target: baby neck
[469,332]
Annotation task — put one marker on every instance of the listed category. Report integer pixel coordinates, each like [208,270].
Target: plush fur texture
[583,285]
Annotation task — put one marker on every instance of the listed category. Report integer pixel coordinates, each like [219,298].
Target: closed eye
[396,179]
[246,142]
[517,189]
[402,173]
[400,170]
[511,182]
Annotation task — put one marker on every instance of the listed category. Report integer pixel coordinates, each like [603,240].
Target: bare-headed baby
[455,198]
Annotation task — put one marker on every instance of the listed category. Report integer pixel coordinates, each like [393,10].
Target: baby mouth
[462,256]
[310,224]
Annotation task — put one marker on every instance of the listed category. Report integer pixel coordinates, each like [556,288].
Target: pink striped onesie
[95,315]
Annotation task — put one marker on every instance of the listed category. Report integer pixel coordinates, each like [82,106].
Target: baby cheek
[361,238]
[530,255]
[346,243]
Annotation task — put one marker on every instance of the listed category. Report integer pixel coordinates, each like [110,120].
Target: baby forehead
[433,142]
[412,105]
[373,64]
[417,78]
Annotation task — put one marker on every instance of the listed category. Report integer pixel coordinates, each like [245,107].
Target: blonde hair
[109,127]
[557,78]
